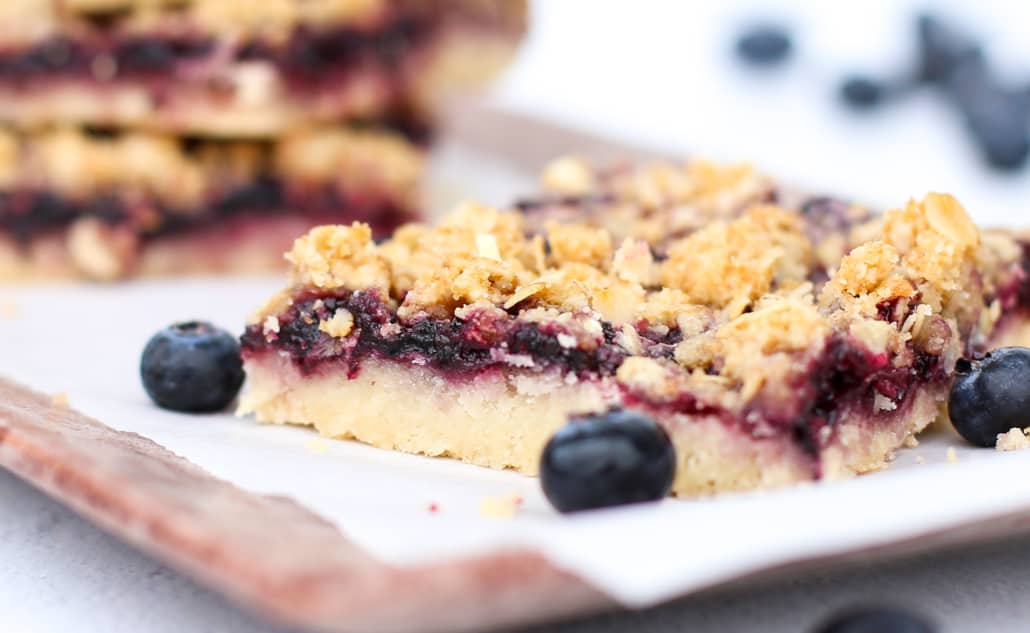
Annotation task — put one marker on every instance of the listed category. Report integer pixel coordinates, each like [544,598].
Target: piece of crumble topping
[59,400]
[501,507]
[317,446]
[339,325]
[1015,439]
[9,310]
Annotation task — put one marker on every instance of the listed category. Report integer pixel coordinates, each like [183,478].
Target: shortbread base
[503,421]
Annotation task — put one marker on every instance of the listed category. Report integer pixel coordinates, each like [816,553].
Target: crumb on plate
[9,310]
[1014,440]
[59,400]
[952,455]
[502,507]
[317,446]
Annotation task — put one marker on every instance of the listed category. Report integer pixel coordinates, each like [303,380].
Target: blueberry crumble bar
[242,67]
[773,344]
[104,204]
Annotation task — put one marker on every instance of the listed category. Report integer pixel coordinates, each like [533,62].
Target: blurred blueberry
[765,45]
[863,93]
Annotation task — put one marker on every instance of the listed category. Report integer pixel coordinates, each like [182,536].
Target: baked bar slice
[105,205]
[243,67]
[476,339]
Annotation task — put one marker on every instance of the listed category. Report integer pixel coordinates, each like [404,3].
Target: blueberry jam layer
[458,348]
[308,59]
[28,214]
[845,379]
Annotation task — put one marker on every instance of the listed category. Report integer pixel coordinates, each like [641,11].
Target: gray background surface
[59,574]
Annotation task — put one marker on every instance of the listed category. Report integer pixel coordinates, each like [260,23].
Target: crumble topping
[729,265]
[569,175]
[501,507]
[72,162]
[336,256]
[744,283]
[268,18]
[655,202]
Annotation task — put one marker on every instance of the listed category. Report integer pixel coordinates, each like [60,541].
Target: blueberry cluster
[950,62]
[954,64]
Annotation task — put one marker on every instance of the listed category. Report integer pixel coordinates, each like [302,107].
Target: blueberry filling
[308,59]
[461,348]
[26,215]
[846,378]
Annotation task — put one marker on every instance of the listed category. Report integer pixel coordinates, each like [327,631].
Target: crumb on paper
[317,446]
[952,455]
[433,507]
[59,400]
[9,310]
[920,459]
[502,507]
[911,441]
[1014,440]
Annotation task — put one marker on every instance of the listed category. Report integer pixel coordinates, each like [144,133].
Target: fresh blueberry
[607,459]
[192,367]
[991,395]
[766,45]
[862,93]
[876,620]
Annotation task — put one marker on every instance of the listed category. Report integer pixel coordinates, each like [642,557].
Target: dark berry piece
[192,367]
[998,123]
[765,45]
[991,395]
[607,459]
[863,93]
[995,115]
[876,620]
[941,48]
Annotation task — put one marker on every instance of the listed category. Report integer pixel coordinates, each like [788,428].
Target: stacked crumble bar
[775,342]
[168,136]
